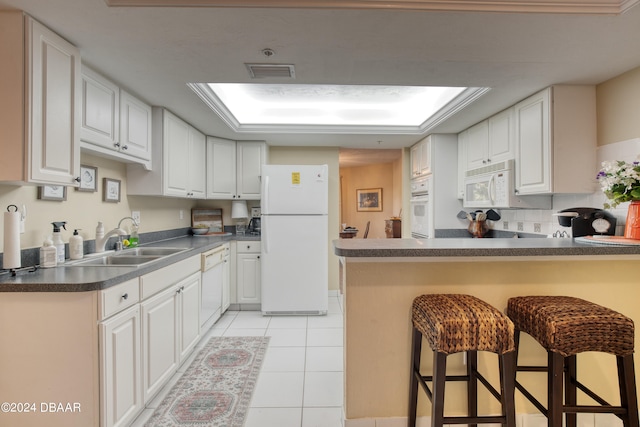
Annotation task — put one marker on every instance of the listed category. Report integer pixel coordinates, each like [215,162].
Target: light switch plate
[136,216]
[255,212]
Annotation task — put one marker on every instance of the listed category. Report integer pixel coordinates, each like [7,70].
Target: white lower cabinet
[170,330]
[159,340]
[248,282]
[121,368]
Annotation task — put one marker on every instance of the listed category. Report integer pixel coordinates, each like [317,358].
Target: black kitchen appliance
[254,225]
[588,221]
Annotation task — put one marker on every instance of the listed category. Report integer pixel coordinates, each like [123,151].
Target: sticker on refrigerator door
[295,179]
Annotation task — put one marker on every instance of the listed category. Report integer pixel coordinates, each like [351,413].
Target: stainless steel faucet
[101,241]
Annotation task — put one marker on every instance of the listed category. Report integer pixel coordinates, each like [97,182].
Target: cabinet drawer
[119,297]
[248,247]
[152,283]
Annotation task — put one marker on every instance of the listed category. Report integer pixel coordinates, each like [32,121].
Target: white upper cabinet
[221,168]
[100,110]
[135,128]
[40,109]
[178,160]
[421,158]
[556,141]
[490,141]
[234,169]
[115,124]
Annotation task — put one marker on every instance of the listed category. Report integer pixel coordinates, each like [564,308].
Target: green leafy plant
[620,182]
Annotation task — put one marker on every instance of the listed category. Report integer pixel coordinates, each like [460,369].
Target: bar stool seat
[566,326]
[453,323]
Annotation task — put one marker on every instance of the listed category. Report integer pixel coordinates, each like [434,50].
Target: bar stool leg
[570,389]
[472,384]
[507,363]
[416,348]
[628,395]
[555,376]
[439,379]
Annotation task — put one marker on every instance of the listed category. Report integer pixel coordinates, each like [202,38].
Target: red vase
[632,226]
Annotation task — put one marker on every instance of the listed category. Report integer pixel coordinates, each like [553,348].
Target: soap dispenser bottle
[48,254]
[57,240]
[76,249]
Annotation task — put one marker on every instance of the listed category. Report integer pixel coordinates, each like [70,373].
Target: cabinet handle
[125,296]
[124,147]
[117,145]
[178,290]
[77,179]
[258,257]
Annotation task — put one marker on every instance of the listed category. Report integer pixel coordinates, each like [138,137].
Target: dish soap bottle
[133,237]
[48,254]
[76,249]
[57,240]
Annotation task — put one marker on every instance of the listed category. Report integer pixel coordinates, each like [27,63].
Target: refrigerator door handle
[265,195]
[264,237]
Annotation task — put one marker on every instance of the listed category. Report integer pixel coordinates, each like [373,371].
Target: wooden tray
[609,240]
[210,217]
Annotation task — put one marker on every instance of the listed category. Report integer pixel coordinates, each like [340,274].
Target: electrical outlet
[136,216]
[536,227]
[521,226]
[505,225]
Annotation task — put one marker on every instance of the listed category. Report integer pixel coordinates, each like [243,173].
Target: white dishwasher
[213,270]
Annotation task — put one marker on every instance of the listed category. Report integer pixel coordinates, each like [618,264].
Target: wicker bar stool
[461,323]
[566,326]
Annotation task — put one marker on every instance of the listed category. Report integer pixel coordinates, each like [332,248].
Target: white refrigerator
[294,235]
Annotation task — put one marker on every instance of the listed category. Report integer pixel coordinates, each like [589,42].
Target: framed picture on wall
[369,200]
[111,190]
[88,179]
[56,193]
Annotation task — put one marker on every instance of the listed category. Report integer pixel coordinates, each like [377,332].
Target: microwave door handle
[492,189]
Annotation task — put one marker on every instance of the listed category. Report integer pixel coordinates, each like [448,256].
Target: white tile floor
[301,380]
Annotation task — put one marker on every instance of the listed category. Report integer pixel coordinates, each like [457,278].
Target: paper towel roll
[11,256]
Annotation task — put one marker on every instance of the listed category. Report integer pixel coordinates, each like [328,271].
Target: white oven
[419,203]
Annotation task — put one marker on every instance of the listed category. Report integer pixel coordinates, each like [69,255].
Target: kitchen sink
[134,257]
[150,251]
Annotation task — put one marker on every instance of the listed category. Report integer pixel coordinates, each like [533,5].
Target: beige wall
[618,108]
[387,176]
[318,156]
[83,210]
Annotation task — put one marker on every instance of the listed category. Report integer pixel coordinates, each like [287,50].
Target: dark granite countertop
[502,249]
[67,278]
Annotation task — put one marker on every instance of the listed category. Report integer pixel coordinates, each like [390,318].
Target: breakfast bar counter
[381,277]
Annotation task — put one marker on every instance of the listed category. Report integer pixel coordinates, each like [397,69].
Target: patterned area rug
[216,389]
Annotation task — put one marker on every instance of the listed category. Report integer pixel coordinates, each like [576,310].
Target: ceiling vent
[261,71]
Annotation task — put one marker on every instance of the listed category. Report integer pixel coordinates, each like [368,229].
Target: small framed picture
[88,179]
[369,200]
[111,190]
[56,193]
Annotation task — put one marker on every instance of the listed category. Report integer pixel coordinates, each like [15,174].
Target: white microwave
[494,187]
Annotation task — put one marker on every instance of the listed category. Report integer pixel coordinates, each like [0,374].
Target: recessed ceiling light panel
[333,108]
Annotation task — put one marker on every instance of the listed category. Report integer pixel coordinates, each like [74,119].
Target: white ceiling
[155,52]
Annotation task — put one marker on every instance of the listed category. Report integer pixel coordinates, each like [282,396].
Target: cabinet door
[462,162]
[54,99]
[135,127]
[533,139]
[159,341]
[226,283]
[477,145]
[248,278]
[250,158]
[501,137]
[120,368]
[189,291]
[221,168]
[100,110]
[197,164]
[416,151]
[425,157]
[176,155]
